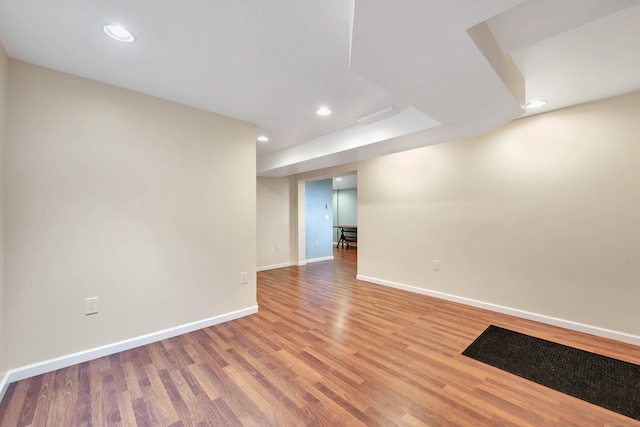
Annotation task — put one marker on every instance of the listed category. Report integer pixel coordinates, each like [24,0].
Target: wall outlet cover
[91,305]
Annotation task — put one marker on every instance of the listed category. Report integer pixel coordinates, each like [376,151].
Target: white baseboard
[94,353]
[274,266]
[4,385]
[566,324]
[325,258]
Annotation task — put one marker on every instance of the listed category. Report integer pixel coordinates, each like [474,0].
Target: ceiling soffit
[446,65]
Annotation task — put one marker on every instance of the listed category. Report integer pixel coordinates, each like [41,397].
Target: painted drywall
[319,219]
[540,215]
[276,222]
[147,204]
[345,209]
[4,82]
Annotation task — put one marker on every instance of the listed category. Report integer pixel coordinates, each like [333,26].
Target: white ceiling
[274,62]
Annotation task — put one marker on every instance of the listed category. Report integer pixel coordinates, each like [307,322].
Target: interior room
[345,210]
[176,179]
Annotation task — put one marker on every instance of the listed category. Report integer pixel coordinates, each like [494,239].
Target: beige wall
[540,215]
[147,204]
[4,75]
[276,222]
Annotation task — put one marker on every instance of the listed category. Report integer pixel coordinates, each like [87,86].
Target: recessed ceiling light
[119,33]
[537,103]
[262,138]
[323,111]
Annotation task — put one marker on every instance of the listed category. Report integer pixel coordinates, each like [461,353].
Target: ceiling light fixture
[262,138]
[323,111]
[537,103]
[119,33]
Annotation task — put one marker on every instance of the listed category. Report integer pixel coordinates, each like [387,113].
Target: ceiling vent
[378,115]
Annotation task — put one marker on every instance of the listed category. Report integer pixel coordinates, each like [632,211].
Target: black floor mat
[610,383]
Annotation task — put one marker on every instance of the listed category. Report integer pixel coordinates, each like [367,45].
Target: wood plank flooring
[324,349]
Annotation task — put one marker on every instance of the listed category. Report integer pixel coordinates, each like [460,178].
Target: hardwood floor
[324,349]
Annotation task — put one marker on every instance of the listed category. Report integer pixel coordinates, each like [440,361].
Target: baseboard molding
[4,385]
[325,258]
[94,353]
[566,324]
[275,266]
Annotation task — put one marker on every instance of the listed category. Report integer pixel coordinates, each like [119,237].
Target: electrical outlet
[316,243]
[91,306]
[436,265]
[243,277]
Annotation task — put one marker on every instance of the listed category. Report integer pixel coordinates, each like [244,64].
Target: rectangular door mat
[610,383]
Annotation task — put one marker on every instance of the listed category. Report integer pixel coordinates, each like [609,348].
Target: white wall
[147,204]
[4,76]
[541,215]
[345,209]
[276,222]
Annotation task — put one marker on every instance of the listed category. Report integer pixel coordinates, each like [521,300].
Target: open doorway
[318,207]
[345,211]
[320,211]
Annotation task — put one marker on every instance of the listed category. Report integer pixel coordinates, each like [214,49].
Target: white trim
[94,353]
[301,263]
[324,258]
[567,324]
[274,266]
[4,385]
[302,224]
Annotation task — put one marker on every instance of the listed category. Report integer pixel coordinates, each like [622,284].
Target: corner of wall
[142,217]
[4,86]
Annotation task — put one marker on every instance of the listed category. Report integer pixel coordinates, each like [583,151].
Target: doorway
[324,210]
